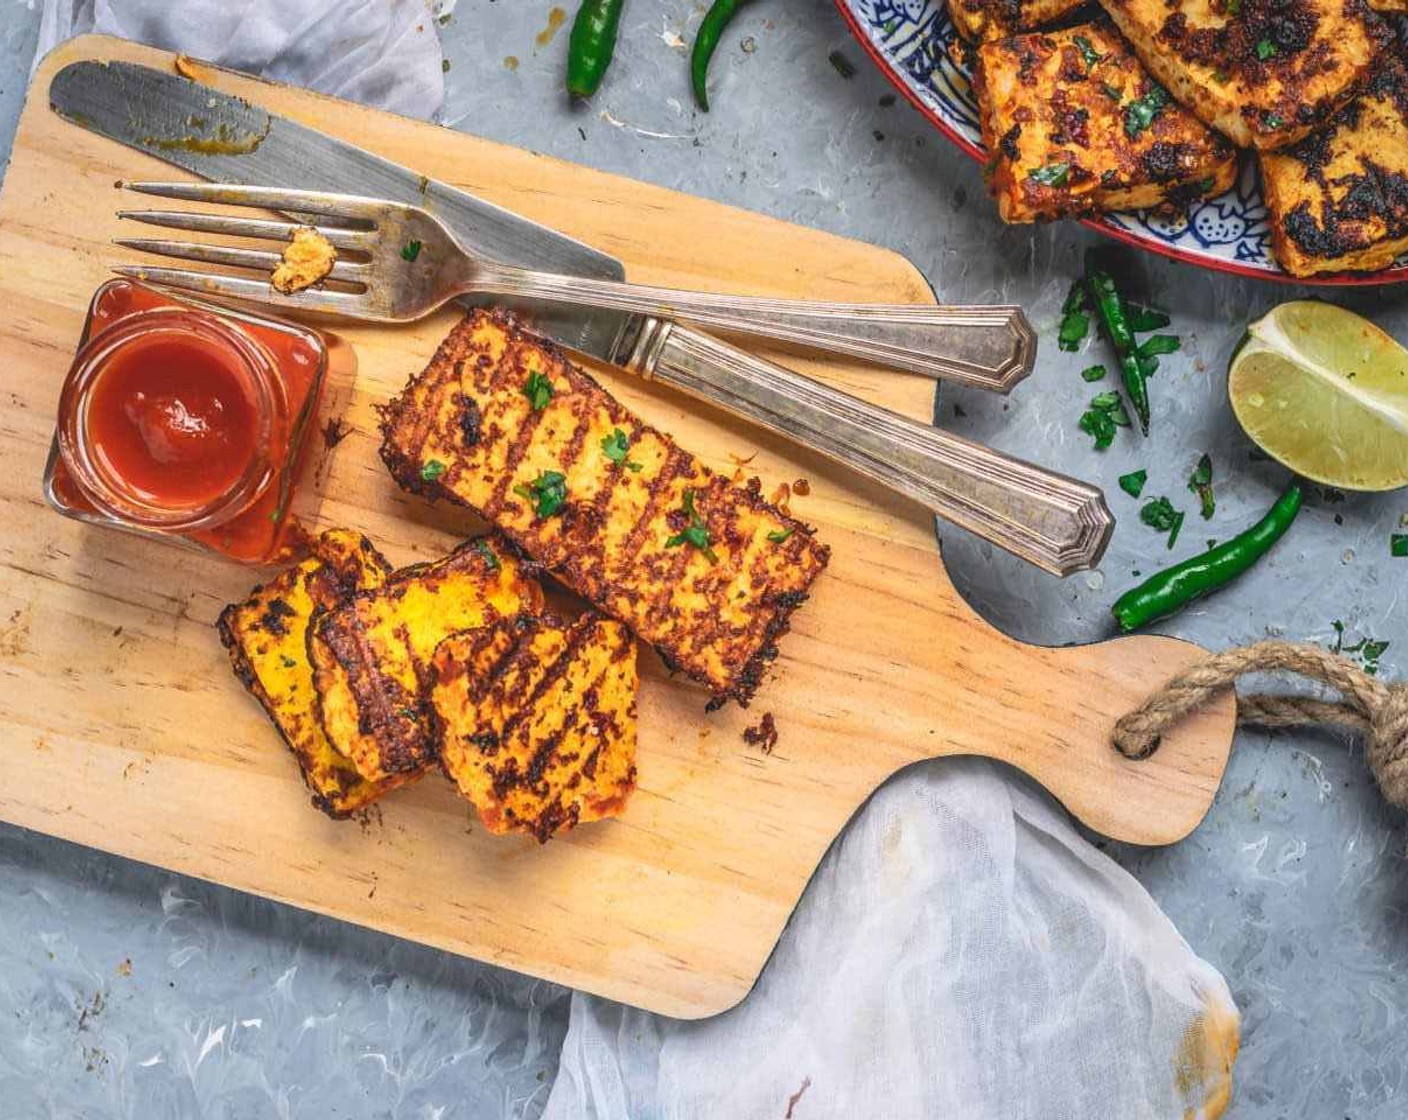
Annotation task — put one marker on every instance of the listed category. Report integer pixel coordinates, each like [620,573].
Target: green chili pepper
[592,44]
[1114,317]
[1169,591]
[710,32]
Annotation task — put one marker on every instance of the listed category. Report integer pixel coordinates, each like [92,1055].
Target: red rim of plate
[1217,264]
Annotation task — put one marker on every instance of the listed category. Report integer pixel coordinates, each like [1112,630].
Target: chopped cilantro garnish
[1160,514]
[1366,649]
[287,662]
[1220,76]
[1111,92]
[1265,49]
[1093,373]
[432,470]
[1273,120]
[1398,545]
[778,536]
[1145,319]
[491,561]
[1087,50]
[696,533]
[843,65]
[1133,483]
[410,250]
[548,492]
[1052,175]
[1141,113]
[1075,317]
[1105,414]
[1200,483]
[1148,351]
[616,447]
[538,390]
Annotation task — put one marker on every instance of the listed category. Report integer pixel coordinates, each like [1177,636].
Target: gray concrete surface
[117,980]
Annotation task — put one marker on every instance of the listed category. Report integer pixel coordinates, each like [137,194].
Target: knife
[229,140]
[1056,522]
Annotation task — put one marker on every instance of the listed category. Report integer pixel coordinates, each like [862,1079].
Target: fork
[987,347]
[413,265]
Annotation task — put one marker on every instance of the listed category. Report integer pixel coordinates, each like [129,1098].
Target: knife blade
[230,140]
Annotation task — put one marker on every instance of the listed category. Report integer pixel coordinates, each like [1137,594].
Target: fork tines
[341,208]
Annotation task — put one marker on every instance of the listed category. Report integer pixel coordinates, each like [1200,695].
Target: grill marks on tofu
[977,20]
[537,721]
[1264,72]
[266,636]
[465,430]
[371,654]
[1076,126]
[1339,198]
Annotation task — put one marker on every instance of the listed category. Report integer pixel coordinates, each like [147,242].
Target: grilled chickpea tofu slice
[1265,73]
[266,636]
[977,20]
[371,655]
[1075,126]
[703,569]
[1339,199]
[536,721]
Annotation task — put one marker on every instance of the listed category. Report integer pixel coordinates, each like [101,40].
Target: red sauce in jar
[189,419]
[172,418]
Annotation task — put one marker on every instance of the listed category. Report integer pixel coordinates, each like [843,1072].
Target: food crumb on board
[368,818]
[801,488]
[335,431]
[124,967]
[763,735]
[187,68]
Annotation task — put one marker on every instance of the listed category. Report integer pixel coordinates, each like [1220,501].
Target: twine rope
[1376,708]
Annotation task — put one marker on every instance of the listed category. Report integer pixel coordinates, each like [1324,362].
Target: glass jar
[186,419]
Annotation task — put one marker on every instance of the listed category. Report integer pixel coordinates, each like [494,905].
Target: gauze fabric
[379,52]
[962,952]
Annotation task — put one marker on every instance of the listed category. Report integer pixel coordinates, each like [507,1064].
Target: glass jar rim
[255,369]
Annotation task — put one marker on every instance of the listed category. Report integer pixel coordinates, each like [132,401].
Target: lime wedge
[1325,392]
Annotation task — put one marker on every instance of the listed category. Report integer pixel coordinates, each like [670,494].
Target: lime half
[1325,392]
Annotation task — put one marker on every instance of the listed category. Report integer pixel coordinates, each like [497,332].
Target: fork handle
[1055,522]
[987,347]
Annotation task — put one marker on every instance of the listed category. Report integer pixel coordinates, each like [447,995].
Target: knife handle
[1055,522]
[986,347]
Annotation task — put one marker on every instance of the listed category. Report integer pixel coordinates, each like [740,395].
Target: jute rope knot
[1366,704]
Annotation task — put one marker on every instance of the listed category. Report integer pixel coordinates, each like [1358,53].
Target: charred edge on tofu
[398,723]
[555,815]
[336,583]
[404,468]
[1377,192]
[1158,143]
[1268,37]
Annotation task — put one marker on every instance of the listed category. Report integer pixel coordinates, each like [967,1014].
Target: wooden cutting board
[124,729]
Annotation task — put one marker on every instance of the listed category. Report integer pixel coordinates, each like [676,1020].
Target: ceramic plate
[909,41]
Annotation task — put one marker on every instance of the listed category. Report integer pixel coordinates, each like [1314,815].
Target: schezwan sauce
[187,419]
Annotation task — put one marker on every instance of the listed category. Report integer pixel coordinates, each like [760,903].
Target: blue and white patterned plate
[909,41]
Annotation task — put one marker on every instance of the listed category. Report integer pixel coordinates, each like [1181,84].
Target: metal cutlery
[174,118]
[1055,522]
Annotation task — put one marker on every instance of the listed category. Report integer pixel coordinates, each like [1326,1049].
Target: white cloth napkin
[379,52]
[962,951]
